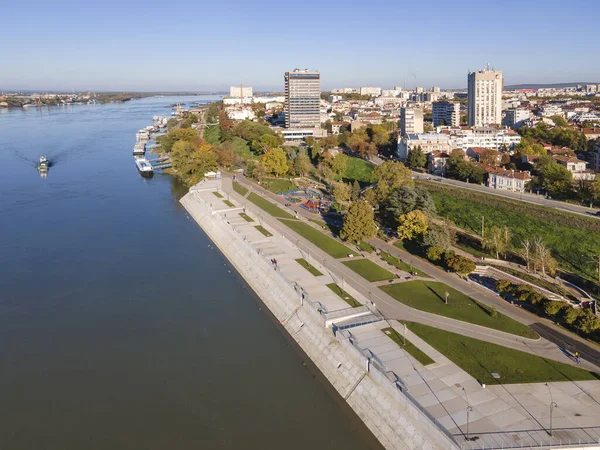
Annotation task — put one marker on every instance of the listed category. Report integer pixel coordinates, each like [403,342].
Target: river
[121,326]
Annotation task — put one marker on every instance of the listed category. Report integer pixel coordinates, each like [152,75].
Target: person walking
[577,357]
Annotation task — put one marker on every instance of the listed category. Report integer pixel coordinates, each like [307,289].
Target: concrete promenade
[554,337]
[393,418]
[502,416]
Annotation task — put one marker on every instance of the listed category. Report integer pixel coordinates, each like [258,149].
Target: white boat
[144,167]
[139,149]
[43,164]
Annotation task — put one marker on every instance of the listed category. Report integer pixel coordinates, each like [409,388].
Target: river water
[121,327]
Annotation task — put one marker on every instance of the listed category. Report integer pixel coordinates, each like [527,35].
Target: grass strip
[429,296]
[366,247]
[263,231]
[237,187]
[312,269]
[218,195]
[401,265]
[246,217]
[480,359]
[410,348]
[344,295]
[369,270]
[269,207]
[228,203]
[324,242]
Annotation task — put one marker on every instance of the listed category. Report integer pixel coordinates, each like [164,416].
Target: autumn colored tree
[391,175]
[341,192]
[359,222]
[412,224]
[275,162]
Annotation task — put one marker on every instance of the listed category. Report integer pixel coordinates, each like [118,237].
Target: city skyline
[147,46]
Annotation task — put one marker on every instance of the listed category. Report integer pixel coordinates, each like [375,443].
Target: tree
[404,199]
[366,150]
[265,143]
[355,192]
[434,253]
[341,192]
[338,163]
[357,138]
[167,141]
[370,196]
[543,260]
[275,162]
[503,286]
[359,223]
[325,172]
[416,159]
[412,224]
[441,236]
[315,151]
[459,264]
[329,142]
[527,250]
[379,135]
[497,240]
[489,157]
[460,169]
[553,177]
[301,165]
[553,308]
[256,170]
[391,175]
[224,155]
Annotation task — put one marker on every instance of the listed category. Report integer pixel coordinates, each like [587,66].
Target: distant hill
[542,86]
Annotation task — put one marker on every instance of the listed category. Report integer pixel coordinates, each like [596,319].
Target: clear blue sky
[198,45]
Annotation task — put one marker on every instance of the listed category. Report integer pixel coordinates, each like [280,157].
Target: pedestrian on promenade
[577,357]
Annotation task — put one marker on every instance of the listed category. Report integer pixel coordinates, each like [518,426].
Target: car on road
[598,213]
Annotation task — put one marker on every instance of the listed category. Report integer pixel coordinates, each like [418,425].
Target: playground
[309,199]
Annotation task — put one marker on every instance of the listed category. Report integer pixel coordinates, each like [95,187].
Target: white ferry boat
[144,167]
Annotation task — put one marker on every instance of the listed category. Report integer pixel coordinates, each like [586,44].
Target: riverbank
[387,412]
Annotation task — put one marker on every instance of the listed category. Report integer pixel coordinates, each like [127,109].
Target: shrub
[504,286]
[459,264]
[434,253]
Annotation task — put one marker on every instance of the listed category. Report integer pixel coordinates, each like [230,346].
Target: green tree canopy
[275,161]
[391,175]
[416,159]
[359,222]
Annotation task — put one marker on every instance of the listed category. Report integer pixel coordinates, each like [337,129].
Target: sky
[209,45]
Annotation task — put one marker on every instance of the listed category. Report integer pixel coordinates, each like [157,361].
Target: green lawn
[263,231]
[246,217]
[369,270]
[218,195]
[344,295]
[277,185]
[366,247]
[228,203]
[401,265]
[308,266]
[571,238]
[269,207]
[480,359]
[237,187]
[324,242]
[360,170]
[429,296]
[410,348]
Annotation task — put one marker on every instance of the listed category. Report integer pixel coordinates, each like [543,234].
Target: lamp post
[469,409]
[552,406]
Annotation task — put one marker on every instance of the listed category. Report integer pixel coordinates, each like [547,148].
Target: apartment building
[411,121]
[446,113]
[429,143]
[485,97]
[302,99]
[515,117]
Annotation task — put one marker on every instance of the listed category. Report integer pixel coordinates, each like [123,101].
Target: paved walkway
[391,308]
[442,388]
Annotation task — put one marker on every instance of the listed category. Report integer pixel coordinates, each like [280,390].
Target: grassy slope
[480,359]
[569,236]
[359,170]
[429,296]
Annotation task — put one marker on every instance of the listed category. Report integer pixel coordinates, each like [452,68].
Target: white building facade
[429,143]
[485,97]
[411,121]
[302,99]
[448,112]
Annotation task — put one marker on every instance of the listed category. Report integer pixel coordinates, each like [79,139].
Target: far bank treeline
[255,147]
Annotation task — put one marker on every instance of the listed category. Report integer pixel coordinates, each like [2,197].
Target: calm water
[120,326]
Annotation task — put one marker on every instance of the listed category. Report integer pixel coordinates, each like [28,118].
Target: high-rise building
[302,99]
[240,91]
[515,117]
[411,121]
[485,97]
[446,113]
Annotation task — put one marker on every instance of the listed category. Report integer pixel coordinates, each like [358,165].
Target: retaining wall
[390,415]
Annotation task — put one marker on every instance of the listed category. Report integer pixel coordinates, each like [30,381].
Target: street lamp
[552,406]
[469,411]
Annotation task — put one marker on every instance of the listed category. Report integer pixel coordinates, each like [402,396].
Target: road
[556,343]
[521,196]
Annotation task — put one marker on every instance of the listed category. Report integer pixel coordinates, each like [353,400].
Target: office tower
[411,120]
[302,99]
[485,97]
[448,112]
